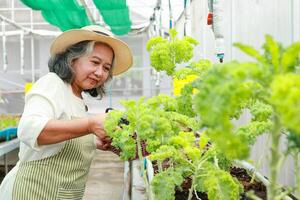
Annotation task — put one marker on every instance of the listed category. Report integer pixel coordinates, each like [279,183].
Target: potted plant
[191,138]
[270,89]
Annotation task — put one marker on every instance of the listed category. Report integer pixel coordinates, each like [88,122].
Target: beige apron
[61,176]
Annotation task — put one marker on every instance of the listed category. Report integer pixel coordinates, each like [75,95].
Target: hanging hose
[187,21]
[170,16]
[215,18]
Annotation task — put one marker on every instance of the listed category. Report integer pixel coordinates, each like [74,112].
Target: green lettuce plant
[192,136]
[152,122]
[169,128]
[171,139]
[269,88]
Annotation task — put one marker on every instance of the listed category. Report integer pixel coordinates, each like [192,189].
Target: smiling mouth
[95,82]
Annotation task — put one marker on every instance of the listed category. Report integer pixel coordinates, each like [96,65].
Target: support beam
[88,12]
[5,62]
[5,19]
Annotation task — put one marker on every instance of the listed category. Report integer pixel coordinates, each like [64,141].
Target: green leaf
[164,183]
[272,49]
[293,142]
[285,97]
[250,51]
[290,57]
[217,183]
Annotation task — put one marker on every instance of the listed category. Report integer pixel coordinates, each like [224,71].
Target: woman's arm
[57,131]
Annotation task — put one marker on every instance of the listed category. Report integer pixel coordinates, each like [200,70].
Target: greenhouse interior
[150,99]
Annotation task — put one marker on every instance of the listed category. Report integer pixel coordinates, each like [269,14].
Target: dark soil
[183,192]
[244,178]
[241,174]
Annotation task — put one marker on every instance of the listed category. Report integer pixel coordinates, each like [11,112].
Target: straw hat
[123,57]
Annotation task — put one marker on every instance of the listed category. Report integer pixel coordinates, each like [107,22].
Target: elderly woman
[58,139]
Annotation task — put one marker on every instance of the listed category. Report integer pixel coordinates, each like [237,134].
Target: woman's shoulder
[51,77]
[49,85]
[48,81]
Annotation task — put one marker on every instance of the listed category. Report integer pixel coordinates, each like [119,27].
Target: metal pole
[88,12]
[32,59]
[14,23]
[13,10]
[12,83]
[5,62]
[232,29]
[292,21]
[32,49]
[161,30]
[158,25]
[22,53]
[295,20]
[5,164]
[94,13]
[204,25]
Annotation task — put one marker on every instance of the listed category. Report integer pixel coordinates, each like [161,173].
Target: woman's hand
[96,126]
[104,144]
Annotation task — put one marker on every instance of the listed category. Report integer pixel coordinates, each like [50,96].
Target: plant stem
[274,160]
[282,195]
[259,163]
[251,195]
[143,170]
[159,165]
[192,188]
[297,173]
[195,175]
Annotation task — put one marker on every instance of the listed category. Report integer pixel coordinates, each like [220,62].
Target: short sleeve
[43,103]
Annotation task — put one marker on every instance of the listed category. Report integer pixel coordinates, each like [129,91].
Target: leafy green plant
[152,122]
[269,88]
[188,158]
[193,137]
[7,121]
[168,138]
[166,54]
[169,127]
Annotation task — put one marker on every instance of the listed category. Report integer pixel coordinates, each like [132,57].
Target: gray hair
[61,64]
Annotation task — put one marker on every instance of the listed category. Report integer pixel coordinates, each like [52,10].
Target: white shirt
[49,98]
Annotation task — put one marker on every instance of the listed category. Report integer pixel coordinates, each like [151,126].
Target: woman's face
[92,70]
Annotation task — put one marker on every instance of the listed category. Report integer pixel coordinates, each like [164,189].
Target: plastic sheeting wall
[245,21]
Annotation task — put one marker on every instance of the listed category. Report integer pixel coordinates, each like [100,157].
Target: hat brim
[123,56]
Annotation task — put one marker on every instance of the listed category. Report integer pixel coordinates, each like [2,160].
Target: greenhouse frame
[213,92]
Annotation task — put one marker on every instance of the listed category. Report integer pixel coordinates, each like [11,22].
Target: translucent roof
[121,16]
